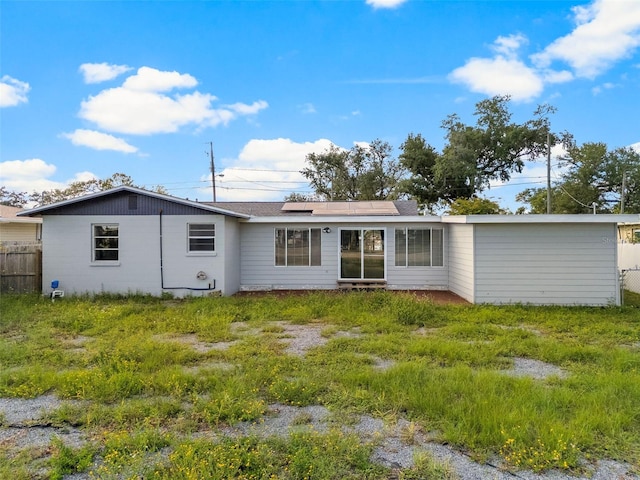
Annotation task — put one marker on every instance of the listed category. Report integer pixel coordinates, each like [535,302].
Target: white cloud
[635,146]
[138,106]
[598,89]
[13,92]
[99,141]
[504,74]
[27,175]
[551,76]
[151,80]
[499,76]
[33,176]
[508,46]
[307,108]
[243,109]
[101,72]
[385,3]
[606,32]
[266,170]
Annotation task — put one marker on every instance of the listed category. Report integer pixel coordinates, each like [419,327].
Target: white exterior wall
[461,260]
[566,264]
[258,270]
[257,261]
[67,255]
[415,278]
[230,282]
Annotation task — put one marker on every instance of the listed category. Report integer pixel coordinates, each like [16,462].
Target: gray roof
[406,208]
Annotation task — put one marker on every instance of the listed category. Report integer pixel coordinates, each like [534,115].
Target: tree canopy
[593,176]
[75,189]
[474,155]
[474,206]
[365,172]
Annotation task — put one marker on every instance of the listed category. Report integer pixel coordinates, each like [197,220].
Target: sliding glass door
[362,254]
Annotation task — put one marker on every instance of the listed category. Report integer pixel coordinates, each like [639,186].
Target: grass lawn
[145,378]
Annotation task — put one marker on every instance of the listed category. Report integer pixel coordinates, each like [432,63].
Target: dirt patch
[527,367]
[301,338]
[192,341]
[24,428]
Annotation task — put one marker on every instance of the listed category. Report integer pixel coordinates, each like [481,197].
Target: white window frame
[191,236]
[406,247]
[95,248]
[311,257]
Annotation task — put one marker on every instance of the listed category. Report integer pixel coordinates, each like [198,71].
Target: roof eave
[537,219]
[124,188]
[359,219]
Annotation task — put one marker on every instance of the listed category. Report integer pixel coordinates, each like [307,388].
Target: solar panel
[377,207]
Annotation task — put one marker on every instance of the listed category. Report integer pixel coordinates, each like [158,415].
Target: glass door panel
[362,254]
[350,254]
[373,254]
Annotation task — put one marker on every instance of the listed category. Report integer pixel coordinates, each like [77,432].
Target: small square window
[202,237]
[106,243]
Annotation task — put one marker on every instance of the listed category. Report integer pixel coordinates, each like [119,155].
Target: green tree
[474,155]
[594,175]
[362,173]
[300,197]
[13,199]
[420,159]
[474,206]
[84,187]
[495,147]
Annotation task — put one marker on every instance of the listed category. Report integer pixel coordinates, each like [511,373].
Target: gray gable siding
[127,203]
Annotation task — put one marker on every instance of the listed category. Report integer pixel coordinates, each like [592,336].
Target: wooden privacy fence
[21,268]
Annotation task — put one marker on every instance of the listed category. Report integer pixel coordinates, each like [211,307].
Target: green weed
[137,380]
[66,460]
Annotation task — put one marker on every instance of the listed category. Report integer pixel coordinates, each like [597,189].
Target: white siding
[461,260]
[414,278]
[258,270]
[566,264]
[231,254]
[67,255]
[257,261]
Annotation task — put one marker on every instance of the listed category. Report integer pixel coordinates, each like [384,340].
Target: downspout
[209,288]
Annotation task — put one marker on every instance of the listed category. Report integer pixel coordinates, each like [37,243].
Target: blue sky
[88,89]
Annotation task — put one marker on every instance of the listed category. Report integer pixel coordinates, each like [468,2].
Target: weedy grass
[130,377]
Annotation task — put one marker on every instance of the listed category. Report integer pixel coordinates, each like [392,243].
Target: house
[629,254]
[128,240]
[18,230]
[629,232]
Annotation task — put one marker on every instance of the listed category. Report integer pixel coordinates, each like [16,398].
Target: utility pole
[548,173]
[213,171]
